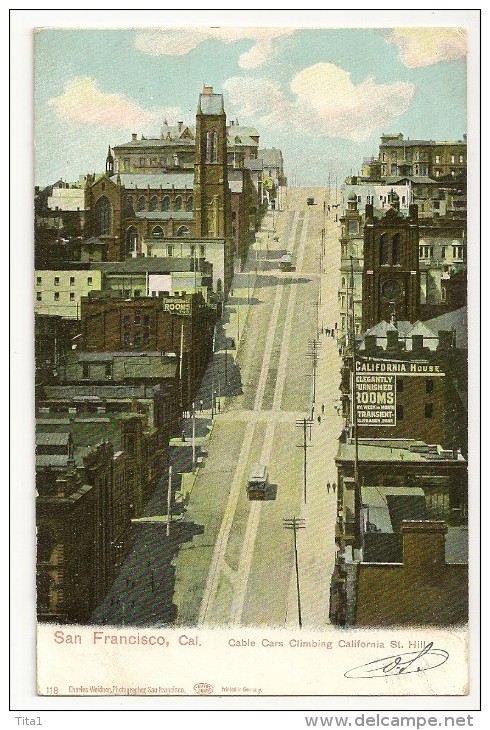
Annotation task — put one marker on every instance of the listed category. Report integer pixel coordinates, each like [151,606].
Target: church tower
[391,276]
[212,198]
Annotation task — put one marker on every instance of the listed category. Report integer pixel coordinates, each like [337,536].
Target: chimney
[424,547]
[392,340]
[445,340]
[417,344]
[180,125]
[134,136]
[207,90]
[370,342]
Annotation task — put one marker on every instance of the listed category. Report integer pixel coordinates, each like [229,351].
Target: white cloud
[82,102]
[326,102]
[180,41]
[425,46]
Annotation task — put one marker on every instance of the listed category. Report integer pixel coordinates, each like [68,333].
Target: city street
[241,570]
[228,560]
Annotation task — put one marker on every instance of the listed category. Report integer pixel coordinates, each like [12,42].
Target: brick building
[181,325]
[93,475]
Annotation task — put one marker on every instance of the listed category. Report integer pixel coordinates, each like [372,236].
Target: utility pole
[193,437]
[212,373]
[357,486]
[295,524]
[180,377]
[169,498]
[313,355]
[304,424]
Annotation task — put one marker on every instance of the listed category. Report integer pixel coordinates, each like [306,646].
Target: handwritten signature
[412,661]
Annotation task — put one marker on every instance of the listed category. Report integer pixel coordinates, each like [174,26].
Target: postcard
[252,447]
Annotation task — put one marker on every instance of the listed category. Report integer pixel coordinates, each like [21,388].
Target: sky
[323,96]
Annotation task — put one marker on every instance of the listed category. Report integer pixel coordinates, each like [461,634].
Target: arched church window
[189,203]
[396,249]
[384,243]
[178,203]
[166,203]
[141,202]
[103,217]
[153,202]
[183,232]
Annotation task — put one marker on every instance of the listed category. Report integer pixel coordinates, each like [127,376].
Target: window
[438,159]
[157,232]
[89,281]
[396,250]
[183,231]
[461,159]
[211,147]
[170,250]
[141,203]
[178,203]
[193,251]
[443,252]
[458,252]
[452,159]
[126,163]
[429,385]
[56,296]
[399,413]
[429,410]
[190,203]
[400,385]
[72,281]
[85,370]
[39,280]
[142,161]
[72,296]
[166,203]
[39,296]
[203,251]
[153,202]
[56,280]
[383,250]
[108,370]
[103,217]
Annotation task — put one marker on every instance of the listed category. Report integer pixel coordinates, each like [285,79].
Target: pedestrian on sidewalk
[328,487]
[334,487]
[200,404]
[319,420]
[323,408]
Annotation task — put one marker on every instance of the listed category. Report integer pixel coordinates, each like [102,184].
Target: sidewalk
[316,543]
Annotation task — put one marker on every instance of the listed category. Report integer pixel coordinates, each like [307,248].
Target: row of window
[427,252]
[154,204]
[56,281]
[56,296]
[421,157]
[429,385]
[428,411]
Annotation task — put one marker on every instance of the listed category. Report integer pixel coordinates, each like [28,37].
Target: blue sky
[324,96]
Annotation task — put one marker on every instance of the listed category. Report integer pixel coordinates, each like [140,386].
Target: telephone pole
[304,424]
[312,354]
[295,524]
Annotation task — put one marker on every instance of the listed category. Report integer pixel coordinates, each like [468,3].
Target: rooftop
[142,265]
[386,450]
[157,180]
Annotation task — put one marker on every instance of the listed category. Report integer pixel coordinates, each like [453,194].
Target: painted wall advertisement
[376,388]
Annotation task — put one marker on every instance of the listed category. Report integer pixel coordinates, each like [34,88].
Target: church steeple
[109,162]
